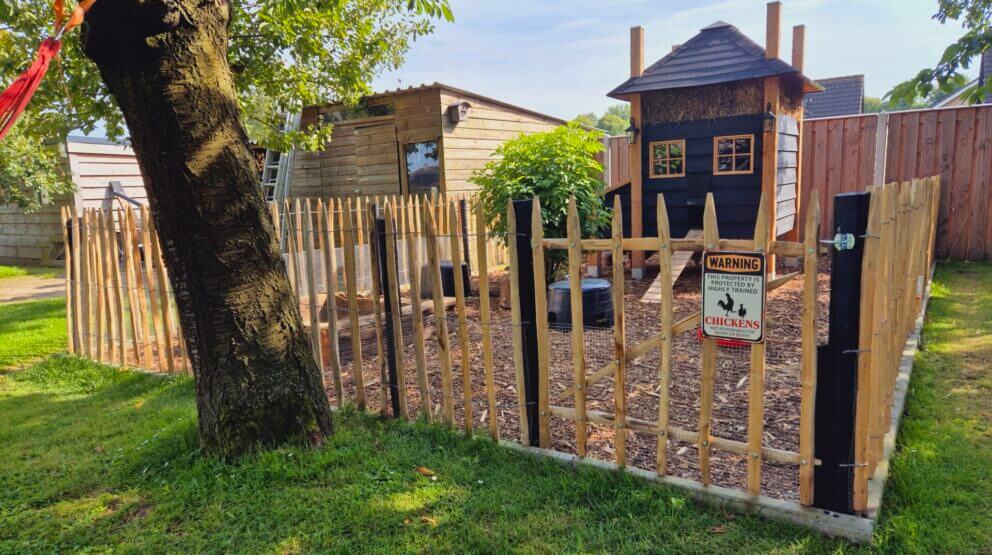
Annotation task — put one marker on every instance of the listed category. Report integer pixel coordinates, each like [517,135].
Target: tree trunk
[165,62]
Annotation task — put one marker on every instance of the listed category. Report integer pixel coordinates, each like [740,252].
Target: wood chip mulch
[642,320]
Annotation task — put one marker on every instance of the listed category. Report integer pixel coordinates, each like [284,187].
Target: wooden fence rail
[394,336]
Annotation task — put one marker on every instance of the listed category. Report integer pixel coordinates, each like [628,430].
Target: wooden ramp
[679,261]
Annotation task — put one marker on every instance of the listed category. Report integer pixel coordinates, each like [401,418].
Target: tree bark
[165,62]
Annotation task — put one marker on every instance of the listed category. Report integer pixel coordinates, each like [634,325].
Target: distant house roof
[841,96]
[984,73]
[720,53]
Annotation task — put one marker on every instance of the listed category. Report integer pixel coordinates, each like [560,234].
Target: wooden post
[619,339]
[163,293]
[413,265]
[773,22]
[808,371]
[541,323]
[578,324]
[769,142]
[376,279]
[113,259]
[636,178]
[880,326]
[103,332]
[142,351]
[357,365]
[798,47]
[756,380]
[71,315]
[866,358]
[514,241]
[711,241]
[440,318]
[454,227]
[328,249]
[665,346]
[154,318]
[484,315]
[391,295]
[144,290]
[308,247]
[84,290]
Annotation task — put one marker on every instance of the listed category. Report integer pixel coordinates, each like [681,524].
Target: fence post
[466,257]
[528,317]
[837,362]
[385,286]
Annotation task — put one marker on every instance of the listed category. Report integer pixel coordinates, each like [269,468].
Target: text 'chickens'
[734,296]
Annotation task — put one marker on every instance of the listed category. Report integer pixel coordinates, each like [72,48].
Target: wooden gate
[704,441]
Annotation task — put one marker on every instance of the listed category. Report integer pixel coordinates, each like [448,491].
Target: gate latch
[841,241]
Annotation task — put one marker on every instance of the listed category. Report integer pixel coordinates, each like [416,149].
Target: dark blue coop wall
[736,196]
[788,174]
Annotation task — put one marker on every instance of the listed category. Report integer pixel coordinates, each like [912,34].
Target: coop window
[667,158]
[733,154]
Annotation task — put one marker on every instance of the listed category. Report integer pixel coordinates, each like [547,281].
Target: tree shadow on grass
[118,465]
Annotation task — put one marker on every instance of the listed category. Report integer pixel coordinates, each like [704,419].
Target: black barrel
[447,280]
[597,303]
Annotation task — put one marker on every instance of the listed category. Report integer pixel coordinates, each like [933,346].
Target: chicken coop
[718,114]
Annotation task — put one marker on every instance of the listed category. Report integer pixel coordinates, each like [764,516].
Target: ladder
[279,167]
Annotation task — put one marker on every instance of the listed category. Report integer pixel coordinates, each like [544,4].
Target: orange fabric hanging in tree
[16,97]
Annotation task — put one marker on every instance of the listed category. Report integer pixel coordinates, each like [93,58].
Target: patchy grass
[31,330]
[18,271]
[97,459]
[940,494]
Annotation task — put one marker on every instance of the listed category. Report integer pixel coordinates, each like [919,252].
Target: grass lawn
[18,271]
[31,330]
[95,459]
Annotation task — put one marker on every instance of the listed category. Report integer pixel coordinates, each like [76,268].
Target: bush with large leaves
[552,166]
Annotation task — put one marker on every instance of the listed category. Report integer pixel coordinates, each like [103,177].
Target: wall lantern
[631,132]
[769,120]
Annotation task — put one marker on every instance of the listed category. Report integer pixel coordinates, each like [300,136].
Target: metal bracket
[841,241]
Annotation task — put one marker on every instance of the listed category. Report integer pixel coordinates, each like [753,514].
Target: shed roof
[719,53]
[841,96]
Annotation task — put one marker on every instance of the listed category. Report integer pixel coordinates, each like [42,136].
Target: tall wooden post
[769,142]
[636,184]
[798,61]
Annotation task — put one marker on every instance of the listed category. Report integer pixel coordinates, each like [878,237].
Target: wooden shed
[719,114]
[415,140]
[36,237]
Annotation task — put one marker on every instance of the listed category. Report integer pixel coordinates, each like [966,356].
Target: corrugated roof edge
[92,140]
[438,85]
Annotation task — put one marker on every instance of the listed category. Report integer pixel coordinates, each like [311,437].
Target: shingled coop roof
[720,53]
[841,96]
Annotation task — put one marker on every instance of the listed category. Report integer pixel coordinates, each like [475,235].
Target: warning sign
[734,295]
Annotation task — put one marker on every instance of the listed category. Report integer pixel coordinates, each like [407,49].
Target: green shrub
[552,166]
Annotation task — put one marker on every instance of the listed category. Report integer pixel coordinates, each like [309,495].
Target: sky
[561,57]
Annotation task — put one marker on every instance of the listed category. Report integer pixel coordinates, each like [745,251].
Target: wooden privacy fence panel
[847,153]
[898,256]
